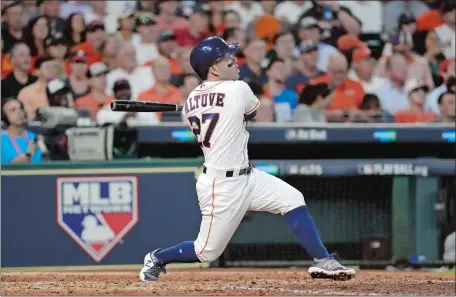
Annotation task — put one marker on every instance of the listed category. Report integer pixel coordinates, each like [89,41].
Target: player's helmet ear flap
[4,117]
[207,52]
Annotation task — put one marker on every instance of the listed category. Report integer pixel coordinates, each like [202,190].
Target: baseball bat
[143,106]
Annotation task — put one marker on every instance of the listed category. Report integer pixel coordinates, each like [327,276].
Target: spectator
[12,31]
[447,108]
[166,44]
[59,94]
[448,72]
[255,50]
[183,58]
[334,20]
[393,9]
[216,25]
[77,80]
[285,99]
[284,45]
[95,40]
[247,10]
[51,10]
[97,98]
[231,19]
[162,91]
[307,66]
[122,91]
[188,84]
[372,110]
[369,13]
[20,77]
[126,26]
[34,96]
[290,11]
[391,94]
[140,78]
[308,30]
[167,18]
[37,31]
[267,27]
[234,35]
[363,70]
[197,29]
[433,18]
[146,48]
[74,30]
[70,7]
[111,48]
[18,144]
[348,94]
[407,23]
[265,112]
[417,66]
[430,49]
[147,7]
[56,47]
[98,14]
[313,101]
[416,94]
[446,32]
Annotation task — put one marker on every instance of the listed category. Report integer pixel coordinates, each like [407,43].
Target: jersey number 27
[204,141]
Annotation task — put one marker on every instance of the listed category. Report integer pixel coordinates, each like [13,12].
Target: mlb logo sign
[97,212]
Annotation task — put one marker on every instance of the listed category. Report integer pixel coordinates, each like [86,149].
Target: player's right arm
[249,101]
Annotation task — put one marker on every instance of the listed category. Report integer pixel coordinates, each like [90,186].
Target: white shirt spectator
[447,40]
[291,11]
[109,21]
[432,98]
[368,86]
[391,98]
[140,80]
[247,14]
[370,13]
[144,51]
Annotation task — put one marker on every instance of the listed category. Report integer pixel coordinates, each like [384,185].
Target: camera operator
[59,94]
[18,144]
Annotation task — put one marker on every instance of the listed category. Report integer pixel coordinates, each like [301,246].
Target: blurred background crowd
[308,61]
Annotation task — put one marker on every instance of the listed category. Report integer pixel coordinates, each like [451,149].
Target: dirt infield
[224,282]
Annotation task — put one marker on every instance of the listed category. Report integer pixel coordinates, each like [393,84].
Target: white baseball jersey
[215,112]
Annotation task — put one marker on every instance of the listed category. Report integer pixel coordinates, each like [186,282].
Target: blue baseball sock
[303,226]
[181,253]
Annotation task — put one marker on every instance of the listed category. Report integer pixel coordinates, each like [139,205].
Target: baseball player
[217,111]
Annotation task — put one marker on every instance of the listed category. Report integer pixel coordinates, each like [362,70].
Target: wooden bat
[143,106]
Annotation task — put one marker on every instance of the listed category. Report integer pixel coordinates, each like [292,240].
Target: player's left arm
[250,101]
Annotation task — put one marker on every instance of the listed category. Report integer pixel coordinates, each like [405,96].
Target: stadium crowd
[308,61]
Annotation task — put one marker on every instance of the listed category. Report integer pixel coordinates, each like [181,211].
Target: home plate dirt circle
[232,281]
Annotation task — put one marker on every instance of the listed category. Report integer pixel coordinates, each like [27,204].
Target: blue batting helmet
[209,51]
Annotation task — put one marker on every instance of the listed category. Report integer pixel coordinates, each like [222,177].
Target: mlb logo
[97,212]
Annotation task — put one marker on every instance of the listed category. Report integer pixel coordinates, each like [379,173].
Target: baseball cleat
[152,268]
[329,268]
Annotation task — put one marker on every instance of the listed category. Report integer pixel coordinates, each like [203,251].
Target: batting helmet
[209,51]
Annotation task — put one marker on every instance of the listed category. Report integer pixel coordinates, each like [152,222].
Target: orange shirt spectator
[34,96]
[162,91]
[92,103]
[169,94]
[95,39]
[348,95]
[93,56]
[97,98]
[429,20]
